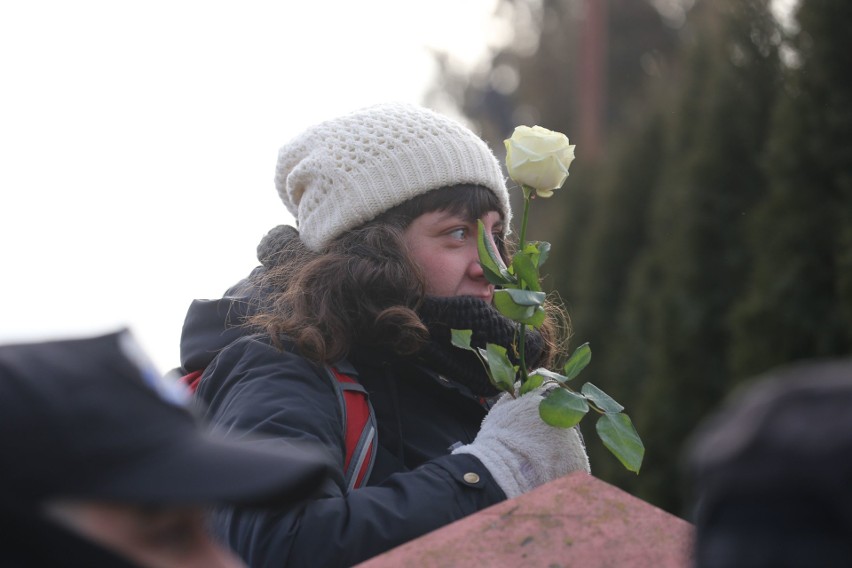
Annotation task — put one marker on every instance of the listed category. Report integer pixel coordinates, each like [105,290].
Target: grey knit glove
[520,450]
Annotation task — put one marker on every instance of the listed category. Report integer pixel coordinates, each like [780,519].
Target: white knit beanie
[341,173]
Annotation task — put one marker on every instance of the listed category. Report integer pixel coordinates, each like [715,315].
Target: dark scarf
[488,325]
[440,316]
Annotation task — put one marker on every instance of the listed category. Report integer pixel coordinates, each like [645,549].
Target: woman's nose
[475,268]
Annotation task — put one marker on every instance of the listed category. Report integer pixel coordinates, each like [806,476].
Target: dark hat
[791,425]
[93,419]
[772,471]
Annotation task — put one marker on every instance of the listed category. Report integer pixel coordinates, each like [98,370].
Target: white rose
[539,158]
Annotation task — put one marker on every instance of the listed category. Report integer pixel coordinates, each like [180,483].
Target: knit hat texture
[346,171]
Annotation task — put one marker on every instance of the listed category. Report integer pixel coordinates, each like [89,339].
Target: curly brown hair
[365,288]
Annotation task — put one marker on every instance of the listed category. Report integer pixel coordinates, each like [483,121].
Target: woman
[383,266]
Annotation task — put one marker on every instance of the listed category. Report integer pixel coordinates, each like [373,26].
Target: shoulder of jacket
[261,344]
[252,358]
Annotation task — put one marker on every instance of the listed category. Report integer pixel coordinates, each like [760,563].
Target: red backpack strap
[359,428]
[191,380]
[358,418]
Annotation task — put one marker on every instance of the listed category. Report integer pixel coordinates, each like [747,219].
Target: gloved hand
[520,450]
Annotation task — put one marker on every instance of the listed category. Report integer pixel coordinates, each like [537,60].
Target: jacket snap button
[471,477]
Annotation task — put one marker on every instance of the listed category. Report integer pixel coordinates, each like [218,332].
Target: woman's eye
[459,234]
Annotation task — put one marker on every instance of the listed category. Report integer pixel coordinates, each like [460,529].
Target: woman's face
[444,245]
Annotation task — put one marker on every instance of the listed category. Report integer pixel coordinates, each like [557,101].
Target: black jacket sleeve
[254,390]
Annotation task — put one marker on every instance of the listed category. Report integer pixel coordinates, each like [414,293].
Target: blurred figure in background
[772,472]
[102,465]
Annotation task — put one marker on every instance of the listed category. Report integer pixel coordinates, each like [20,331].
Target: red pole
[592,99]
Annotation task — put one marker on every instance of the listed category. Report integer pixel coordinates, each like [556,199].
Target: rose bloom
[539,158]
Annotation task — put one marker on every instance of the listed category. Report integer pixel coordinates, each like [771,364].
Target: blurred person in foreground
[383,265]
[772,472]
[102,465]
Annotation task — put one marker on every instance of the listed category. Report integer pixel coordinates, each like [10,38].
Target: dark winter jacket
[416,485]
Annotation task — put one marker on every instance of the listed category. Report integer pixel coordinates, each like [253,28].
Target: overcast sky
[138,141]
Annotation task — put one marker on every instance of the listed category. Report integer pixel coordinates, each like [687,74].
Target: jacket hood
[212,324]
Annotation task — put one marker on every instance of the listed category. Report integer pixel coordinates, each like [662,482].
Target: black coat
[415,487]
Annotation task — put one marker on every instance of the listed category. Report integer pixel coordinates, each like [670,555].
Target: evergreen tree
[695,264]
[799,301]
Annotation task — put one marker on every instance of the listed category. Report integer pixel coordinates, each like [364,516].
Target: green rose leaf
[617,433]
[537,319]
[550,375]
[527,297]
[537,378]
[492,264]
[538,251]
[578,361]
[500,369]
[543,252]
[461,338]
[563,408]
[600,399]
[521,306]
[507,306]
[526,269]
[533,382]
